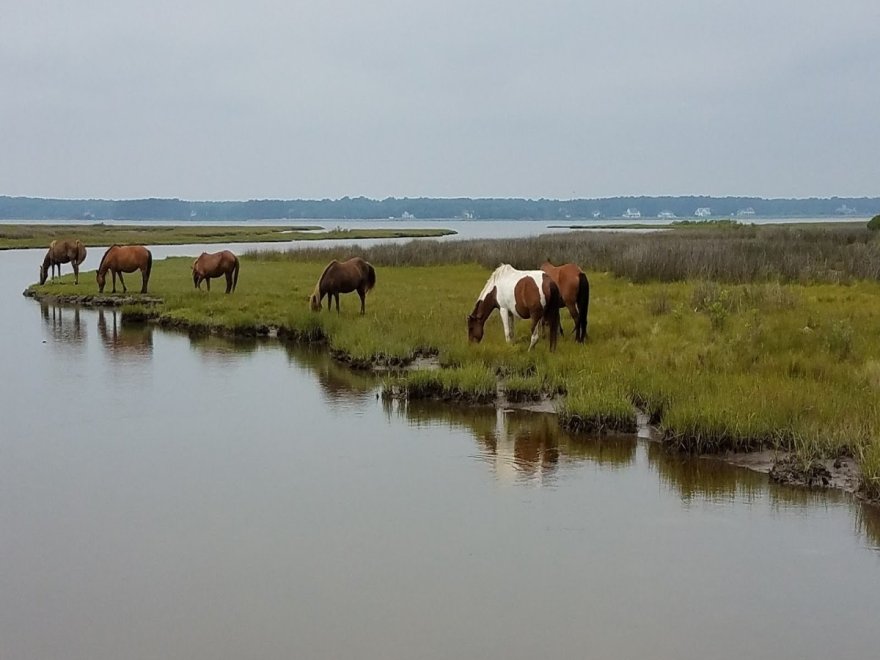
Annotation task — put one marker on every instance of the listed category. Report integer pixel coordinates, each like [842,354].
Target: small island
[17,236]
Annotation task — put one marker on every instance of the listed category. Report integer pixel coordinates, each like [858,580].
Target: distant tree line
[35,208]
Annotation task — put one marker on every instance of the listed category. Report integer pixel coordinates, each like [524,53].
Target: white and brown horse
[523,294]
[62,252]
[216,264]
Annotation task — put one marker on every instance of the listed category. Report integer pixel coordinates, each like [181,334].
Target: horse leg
[122,282]
[363,295]
[145,277]
[572,309]
[113,275]
[229,281]
[506,323]
[536,330]
[75,273]
[337,302]
[208,283]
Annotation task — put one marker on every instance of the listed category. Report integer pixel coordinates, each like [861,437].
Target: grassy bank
[783,362]
[38,236]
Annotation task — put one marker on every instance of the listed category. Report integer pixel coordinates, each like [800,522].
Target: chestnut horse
[120,259]
[343,277]
[524,294]
[62,252]
[215,265]
[575,291]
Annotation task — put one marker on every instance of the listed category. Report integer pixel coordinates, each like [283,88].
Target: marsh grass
[792,366]
[739,254]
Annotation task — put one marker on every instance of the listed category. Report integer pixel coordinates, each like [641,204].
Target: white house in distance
[666,215]
[632,213]
[746,212]
[703,212]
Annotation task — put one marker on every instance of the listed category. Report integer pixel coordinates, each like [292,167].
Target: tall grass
[742,254]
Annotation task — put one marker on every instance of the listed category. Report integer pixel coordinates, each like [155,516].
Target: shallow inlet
[162,496]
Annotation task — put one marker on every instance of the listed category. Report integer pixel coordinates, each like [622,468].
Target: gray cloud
[237,100]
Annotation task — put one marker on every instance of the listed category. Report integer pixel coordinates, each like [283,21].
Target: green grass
[38,235]
[716,365]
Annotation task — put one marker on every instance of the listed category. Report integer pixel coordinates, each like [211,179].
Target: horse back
[529,299]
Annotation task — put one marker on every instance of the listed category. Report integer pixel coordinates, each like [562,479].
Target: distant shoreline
[459,208]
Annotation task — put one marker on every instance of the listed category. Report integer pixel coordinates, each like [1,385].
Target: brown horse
[524,294]
[575,291]
[120,259]
[62,252]
[215,265]
[343,277]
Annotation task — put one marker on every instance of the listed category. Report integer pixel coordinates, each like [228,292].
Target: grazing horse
[575,291]
[120,259]
[215,265]
[524,294]
[62,252]
[343,277]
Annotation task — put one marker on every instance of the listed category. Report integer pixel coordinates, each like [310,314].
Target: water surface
[163,496]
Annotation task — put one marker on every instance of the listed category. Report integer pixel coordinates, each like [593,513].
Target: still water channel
[163,496]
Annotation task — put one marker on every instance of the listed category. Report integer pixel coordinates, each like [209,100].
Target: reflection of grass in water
[868,522]
[792,366]
[337,381]
[702,478]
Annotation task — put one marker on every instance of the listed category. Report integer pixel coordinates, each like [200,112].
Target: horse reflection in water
[522,446]
[64,323]
[124,342]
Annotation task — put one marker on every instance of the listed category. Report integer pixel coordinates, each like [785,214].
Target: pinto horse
[62,252]
[575,291]
[120,259]
[215,265]
[524,294]
[343,277]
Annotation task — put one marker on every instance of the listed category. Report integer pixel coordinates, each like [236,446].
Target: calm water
[168,497]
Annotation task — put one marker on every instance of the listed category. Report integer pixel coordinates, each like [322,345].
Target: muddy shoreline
[782,467]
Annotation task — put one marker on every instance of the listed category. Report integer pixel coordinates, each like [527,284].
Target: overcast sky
[228,99]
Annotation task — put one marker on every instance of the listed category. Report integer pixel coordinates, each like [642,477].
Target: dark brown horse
[120,259]
[215,265]
[524,294]
[62,252]
[343,277]
[575,291]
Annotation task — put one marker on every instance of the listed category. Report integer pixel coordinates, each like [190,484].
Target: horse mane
[492,279]
[317,292]
[104,258]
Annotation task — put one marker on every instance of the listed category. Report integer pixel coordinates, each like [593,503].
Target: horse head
[475,328]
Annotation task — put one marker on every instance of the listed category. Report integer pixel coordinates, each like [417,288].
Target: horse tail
[149,266]
[101,268]
[235,274]
[583,306]
[371,277]
[552,308]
